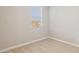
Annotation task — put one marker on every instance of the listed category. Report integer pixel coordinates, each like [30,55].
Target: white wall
[64,23]
[16,27]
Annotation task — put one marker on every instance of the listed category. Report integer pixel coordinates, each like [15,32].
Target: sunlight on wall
[37,17]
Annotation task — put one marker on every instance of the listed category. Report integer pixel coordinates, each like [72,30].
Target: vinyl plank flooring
[46,46]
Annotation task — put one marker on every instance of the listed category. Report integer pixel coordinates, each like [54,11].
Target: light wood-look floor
[45,46]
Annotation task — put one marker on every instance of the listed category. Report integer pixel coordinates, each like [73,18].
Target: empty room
[39,29]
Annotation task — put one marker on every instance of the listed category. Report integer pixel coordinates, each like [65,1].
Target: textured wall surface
[64,23]
[16,26]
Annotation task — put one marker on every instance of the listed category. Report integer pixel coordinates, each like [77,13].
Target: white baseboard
[70,43]
[19,45]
